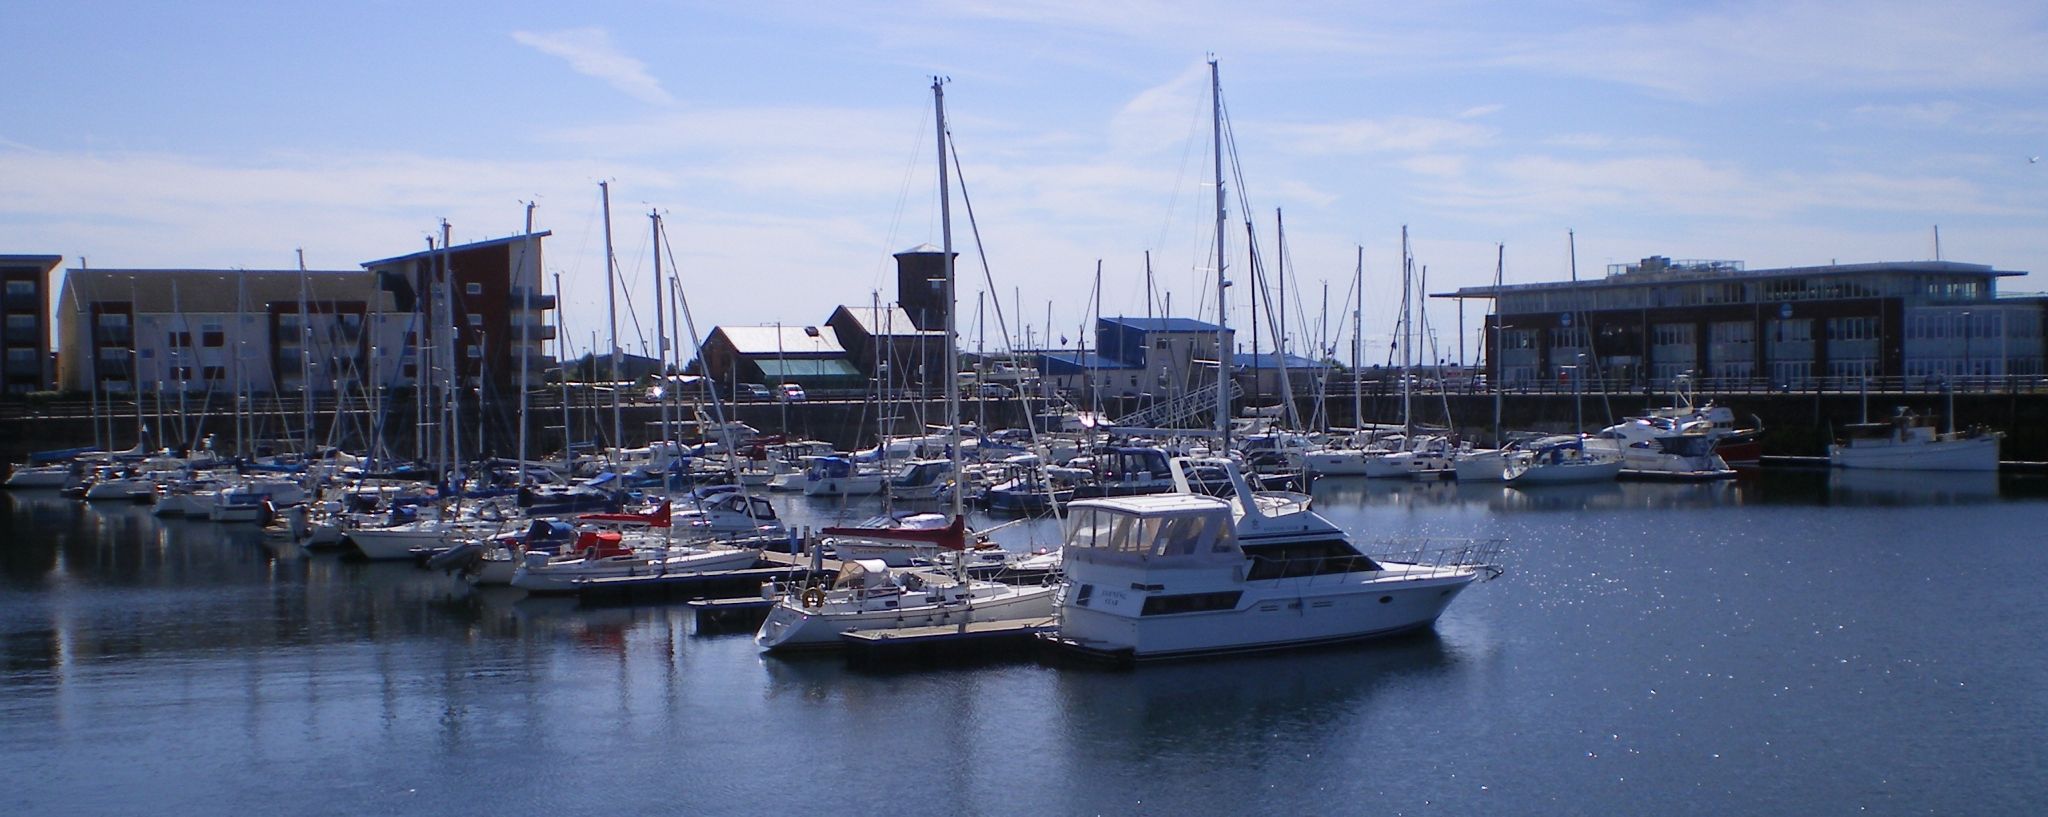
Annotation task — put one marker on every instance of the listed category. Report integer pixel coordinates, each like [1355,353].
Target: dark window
[177,339]
[213,338]
[1190,603]
[214,373]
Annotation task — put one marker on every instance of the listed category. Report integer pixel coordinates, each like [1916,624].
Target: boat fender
[814,597]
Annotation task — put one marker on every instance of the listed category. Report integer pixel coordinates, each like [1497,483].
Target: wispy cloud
[1388,134]
[590,52]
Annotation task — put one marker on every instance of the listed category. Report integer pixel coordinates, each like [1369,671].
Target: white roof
[786,339]
[1158,504]
[887,321]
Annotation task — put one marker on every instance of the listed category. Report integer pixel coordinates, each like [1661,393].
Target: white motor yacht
[1185,574]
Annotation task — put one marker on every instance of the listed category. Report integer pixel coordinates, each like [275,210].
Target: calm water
[1794,644]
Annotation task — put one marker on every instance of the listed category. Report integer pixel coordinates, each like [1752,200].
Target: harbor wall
[1798,424]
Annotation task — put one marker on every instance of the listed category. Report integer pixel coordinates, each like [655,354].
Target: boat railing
[1431,554]
[1422,558]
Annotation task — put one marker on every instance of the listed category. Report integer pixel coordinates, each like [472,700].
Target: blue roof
[1069,363]
[1163,324]
[1271,360]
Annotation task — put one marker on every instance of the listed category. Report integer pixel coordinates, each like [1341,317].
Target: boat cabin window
[1105,532]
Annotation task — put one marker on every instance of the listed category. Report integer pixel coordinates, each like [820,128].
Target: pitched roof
[458,248]
[1068,362]
[888,321]
[784,340]
[1271,360]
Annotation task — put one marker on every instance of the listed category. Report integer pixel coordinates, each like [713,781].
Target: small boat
[1481,465]
[838,476]
[1560,462]
[1909,442]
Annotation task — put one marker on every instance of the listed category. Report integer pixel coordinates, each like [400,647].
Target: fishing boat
[1911,442]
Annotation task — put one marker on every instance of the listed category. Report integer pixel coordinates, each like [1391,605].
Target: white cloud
[590,52]
[1728,51]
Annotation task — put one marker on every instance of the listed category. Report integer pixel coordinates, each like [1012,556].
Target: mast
[305,363]
[526,317]
[1222,284]
[455,356]
[1500,255]
[1407,339]
[660,317]
[952,354]
[611,296]
[562,365]
[1358,344]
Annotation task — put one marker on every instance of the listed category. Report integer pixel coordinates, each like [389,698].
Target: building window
[22,361]
[21,295]
[475,318]
[178,340]
[473,288]
[21,329]
[214,373]
[212,336]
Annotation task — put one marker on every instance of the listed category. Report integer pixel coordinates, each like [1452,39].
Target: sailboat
[867,594]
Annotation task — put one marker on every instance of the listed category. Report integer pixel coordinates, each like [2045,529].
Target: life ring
[814,597]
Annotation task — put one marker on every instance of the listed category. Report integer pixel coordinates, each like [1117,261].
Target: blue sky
[789,145]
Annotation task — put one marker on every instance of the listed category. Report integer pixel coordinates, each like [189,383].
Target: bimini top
[1162,530]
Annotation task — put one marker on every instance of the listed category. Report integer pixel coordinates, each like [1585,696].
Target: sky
[789,146]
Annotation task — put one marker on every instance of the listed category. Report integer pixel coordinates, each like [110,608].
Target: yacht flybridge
[1185,574]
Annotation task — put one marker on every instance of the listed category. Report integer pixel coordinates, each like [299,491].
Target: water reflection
[1849,486]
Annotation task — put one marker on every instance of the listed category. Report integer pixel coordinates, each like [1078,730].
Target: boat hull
[790,626]
[1959,454]
[1278,617]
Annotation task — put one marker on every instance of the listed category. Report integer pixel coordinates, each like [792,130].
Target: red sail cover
[950,537]
[657,518]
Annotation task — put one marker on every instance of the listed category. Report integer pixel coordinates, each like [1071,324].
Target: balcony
[524,299]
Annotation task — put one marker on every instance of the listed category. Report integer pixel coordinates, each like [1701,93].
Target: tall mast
[455,354]
[562,365]
[660,318]
[952,354]
[1358,343]
[1407,337]
[611,296]
[1500,255]
[526,316]
[1222,284]
[305,364]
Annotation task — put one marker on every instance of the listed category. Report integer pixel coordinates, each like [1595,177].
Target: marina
[629,410]
[1782,654]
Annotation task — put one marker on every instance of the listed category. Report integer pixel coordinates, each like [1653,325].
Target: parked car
[996,390]
[792,393]
[754,391]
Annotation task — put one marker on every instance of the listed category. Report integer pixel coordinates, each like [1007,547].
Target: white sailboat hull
[791,626]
